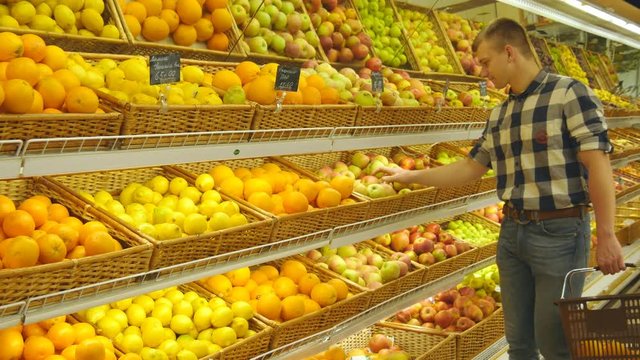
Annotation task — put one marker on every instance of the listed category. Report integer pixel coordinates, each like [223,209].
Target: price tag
[377,83]
[483,88]
[446,88]
[287,78]
[164,68]
[360,357]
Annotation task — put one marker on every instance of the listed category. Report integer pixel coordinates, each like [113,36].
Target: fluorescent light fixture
[634,28]
[554,14]
[603,15]
[574,3]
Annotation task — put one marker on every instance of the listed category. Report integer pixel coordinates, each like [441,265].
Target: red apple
[399,241]
[446,238]
[426,259]
[464,323]
[427,314]
[379,342]
[422,245]
[374,63]
[433,227]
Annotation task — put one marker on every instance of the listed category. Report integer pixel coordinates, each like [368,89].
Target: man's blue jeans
[533,258]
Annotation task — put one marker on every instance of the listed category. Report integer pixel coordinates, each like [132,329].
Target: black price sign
[287,78]
[377,83]
[483,88]
[164,68]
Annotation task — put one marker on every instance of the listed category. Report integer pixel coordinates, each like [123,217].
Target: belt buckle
[519,217]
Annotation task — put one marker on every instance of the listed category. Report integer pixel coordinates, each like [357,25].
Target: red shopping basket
[601,327]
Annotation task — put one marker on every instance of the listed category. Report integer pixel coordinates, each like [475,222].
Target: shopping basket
[601,327]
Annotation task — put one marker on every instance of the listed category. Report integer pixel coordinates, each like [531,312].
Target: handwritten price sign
[287,78]
[164,68]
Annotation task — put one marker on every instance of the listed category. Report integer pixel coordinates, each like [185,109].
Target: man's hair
[504,31]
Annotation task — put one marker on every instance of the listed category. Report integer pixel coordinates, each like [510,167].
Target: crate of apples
[492,212]
[475,230]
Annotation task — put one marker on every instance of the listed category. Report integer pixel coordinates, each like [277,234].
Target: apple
[390,271]
[464,323]
[426,259]
[373,63]
[384,240]
[443,319]
[446,238]
[337,264]
[433,228]
[427,314]
[347,251]
[439,255]
[473,312]
[352,275]
[314,255]
[399,241]
[422,245]
[403,316]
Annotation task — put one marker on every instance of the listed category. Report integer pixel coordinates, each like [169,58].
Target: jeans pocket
[561,228]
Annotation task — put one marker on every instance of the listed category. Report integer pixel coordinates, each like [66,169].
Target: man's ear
[510,52]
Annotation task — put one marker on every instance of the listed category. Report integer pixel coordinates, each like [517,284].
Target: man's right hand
[395,174]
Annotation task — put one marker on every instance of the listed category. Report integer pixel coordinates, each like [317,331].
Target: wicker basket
[418,344]
[610,69]
[632,148]
[287,226]
[487,250]
[581,57]
[306,325]
[462,114]
[600,69]
[174,251]
[379,206]
[487,183]
[542,52]
[300,117]
[410,280]
[396,115]
[24,283]
[443,40]
[71,42]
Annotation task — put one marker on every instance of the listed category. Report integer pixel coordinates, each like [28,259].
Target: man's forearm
[602,196]
[458,173]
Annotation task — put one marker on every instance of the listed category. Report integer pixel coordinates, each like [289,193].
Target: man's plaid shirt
[532,140]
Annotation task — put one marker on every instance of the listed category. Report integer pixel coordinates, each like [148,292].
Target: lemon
[131,343]
[205,334]
[92,20]
[242,309]
[207,207]
[145,301]
[143,99]
[126,196]
[214,348]
[195,224]
[217,302]
[119,316]
[164,313]
[169,201]
[132,330]
[150,323]
[177,185]
[193,74]
[192,193]
[184,339]
[186,206]
[178,218]
[23,11]
[240,326]
[169,334]
[175,99]
[151,90]
[229,207]
[143,195]
[183,307]
[106,65]
[211,195]
[65,18]
[108,327]
[199,303]
[219,221]
[168,231]
[148,353]
[101,197]
[44,9]
[74,5]
[86,33]
[4,10]
[224,336]
[135,70]
[42,22]
[93,79]
[174,295]
[204,182]
[221,316]
[170,347]
[94,314]
[77,70]
[198,347]
[97,5]
[237,220]
[9,21]
[181,324]
[136,314]
[122,304]
[202,318]
[185,354]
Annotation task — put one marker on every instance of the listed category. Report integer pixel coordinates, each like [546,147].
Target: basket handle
[570,274]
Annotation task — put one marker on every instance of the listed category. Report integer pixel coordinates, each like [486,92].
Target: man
[547,144]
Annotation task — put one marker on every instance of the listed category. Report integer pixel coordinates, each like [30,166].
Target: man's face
[494,63]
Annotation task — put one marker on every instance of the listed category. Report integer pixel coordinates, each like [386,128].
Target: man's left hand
[609,255]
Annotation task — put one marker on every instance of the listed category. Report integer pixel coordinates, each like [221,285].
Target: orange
[261,290]
[343,184]
[222,20]
[341,288]
[311,96]
[307,282]
[285,287]
[47,324]
[224,79]
[292,307]
[239,293]
[239,277]
[130,356]
[215,4]
[36,106]
[308,188]
[295,202]
[155,29]
[44,71]
[204,29]
[98,242]
[18,222]
[310,306]
[57,212]
[11,46]
[189,11]
[81,99]
[271,271]
[55,57]
[133,24]
[185,35]
[171,18]
[169,4]
[18,96]
[259,277]
[328,197]
[293,98]
[220,172]
[52,248]
[6,206]
[293,269]
[247,71]
[55,357]
[37,209]
[33,330]
[271,167]
[262,200]
[153,7]
[90,349]
[62,335]
[262,90]
[232,186]
[89,228]
[52,91]
[74,222]
[67,234]
[34,47]
[269,306]
[315,81]
[137,10]
[324,294]
[83,331]
[47,226]
[11,343]
[70,352]
[106,342]
[329,95]
[67,78]
[242,173]
[3,70]
[256,185]
[43,199]
[37,348]
[78,252]
[21,251]
[219,42]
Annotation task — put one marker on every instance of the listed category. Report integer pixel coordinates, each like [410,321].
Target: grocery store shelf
[321,341]
[11,314]
[10,160]
[628,197]
[623,122]
[618,163]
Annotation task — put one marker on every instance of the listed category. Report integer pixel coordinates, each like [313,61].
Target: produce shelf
[10,159]
[623,122]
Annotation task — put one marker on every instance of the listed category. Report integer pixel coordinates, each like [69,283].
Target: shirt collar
[537,81]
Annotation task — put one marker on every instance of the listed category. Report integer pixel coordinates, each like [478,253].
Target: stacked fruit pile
[379,346]
[56,338]
[341,34]
[423,34]
[187,22]
[279,295]
[426,244]
[164,209]
[612,99]
[86,18]
[572,67]
[461,34]
[492,212]
[446,158]
[42,232]
[172,323]
[474,233]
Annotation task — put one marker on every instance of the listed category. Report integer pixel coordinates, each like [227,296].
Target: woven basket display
[542,52]
[301,117]
[388,290]
[581,56]
[462,114]
[487,250]
[379,206]
[289,225]
[623,144]
[610,69]
[71,42]
[174,251]
[396,115]
[306,325]
[443,40]
[600,69]
[419,345]
[487,183]
[24,283]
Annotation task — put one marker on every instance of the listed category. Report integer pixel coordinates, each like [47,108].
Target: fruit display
[172,323]
[474,233]
[542,50]
[492,212]
[632,169]
[580,56]
[613,100]
[93,18]
[381,24]
[621,143]
[279,294]
[378,347]
[571,66]
[187,23]
[461,33]
[341,33]
[556,55]
[428,41]
[56,338]
[622,183]
[38,231]
[362,265]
